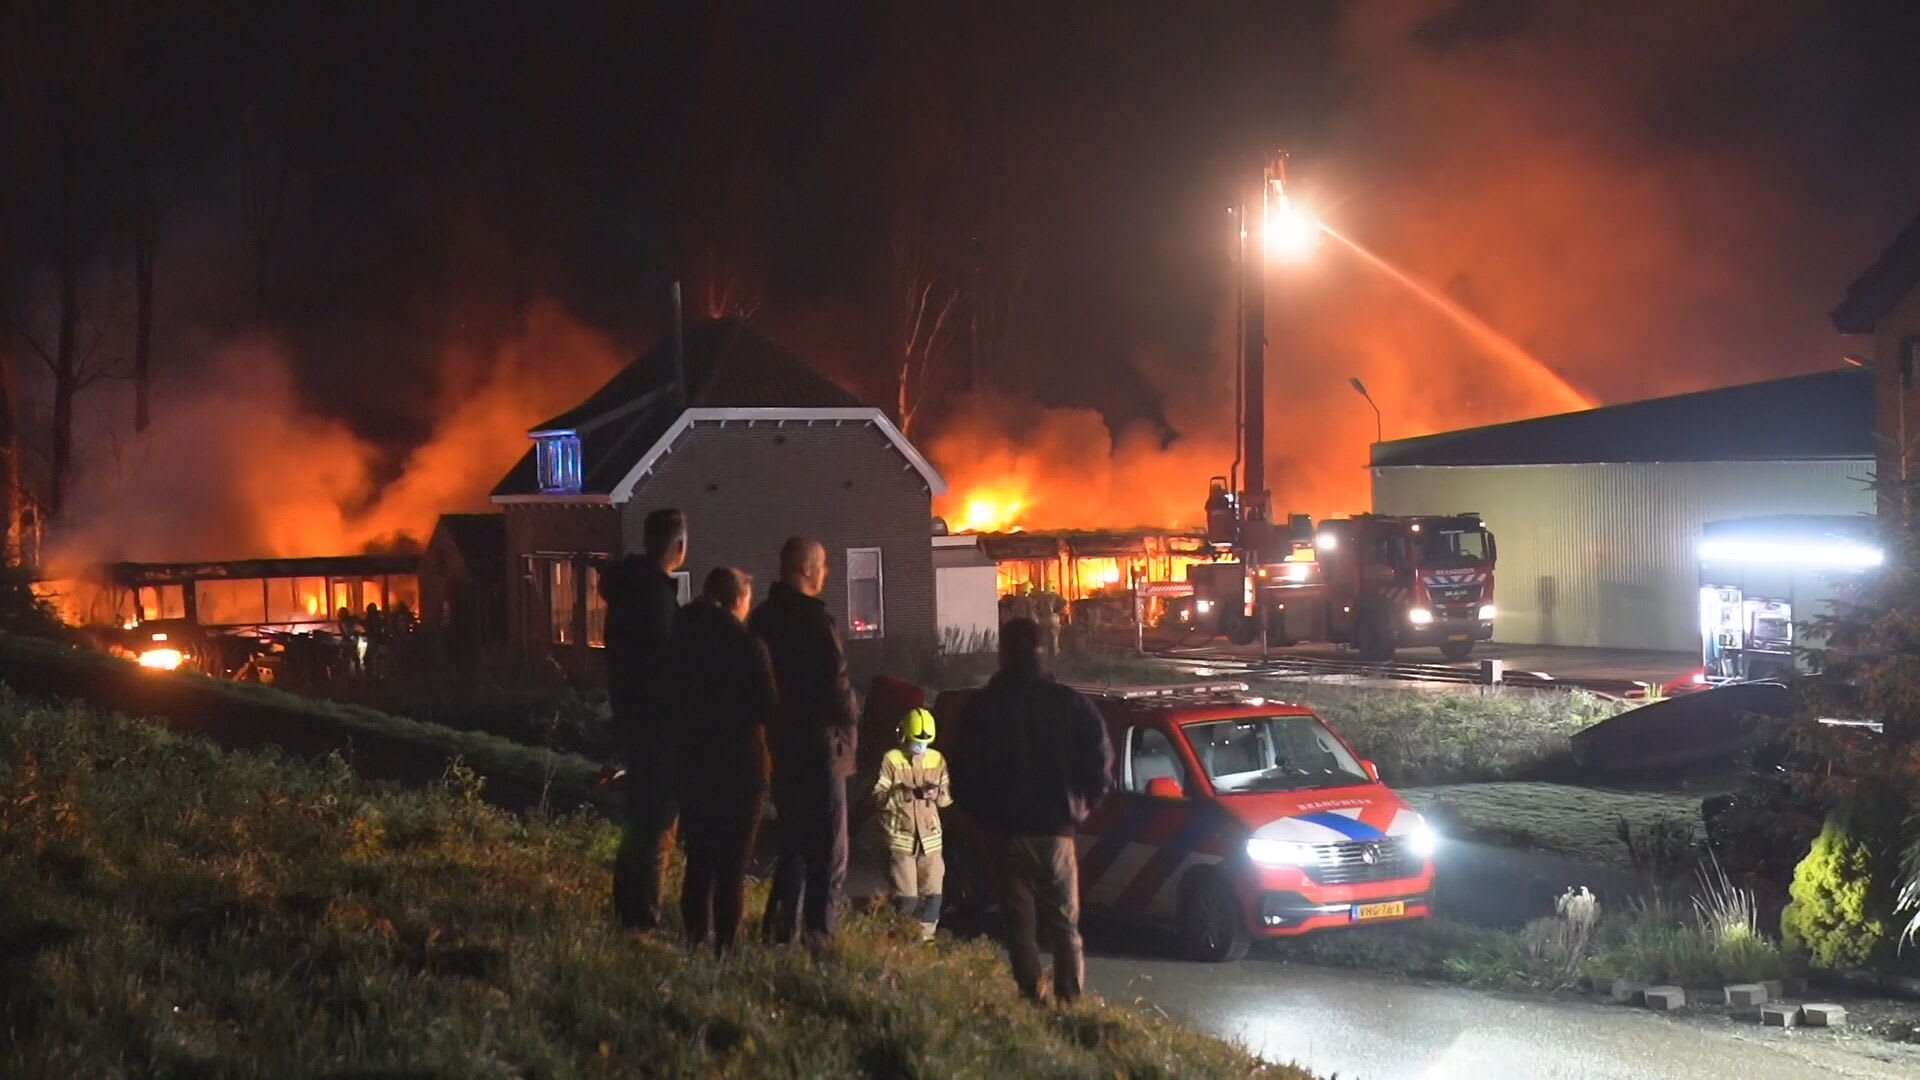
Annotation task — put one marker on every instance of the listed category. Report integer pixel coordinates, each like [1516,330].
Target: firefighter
[1049,608]
[912,788]
[1019,604]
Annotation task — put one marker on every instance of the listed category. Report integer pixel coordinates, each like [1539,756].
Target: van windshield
[1272,753]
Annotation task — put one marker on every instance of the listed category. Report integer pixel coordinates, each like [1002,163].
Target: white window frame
[591,601]
[555,632]
[879,628]
[557,461]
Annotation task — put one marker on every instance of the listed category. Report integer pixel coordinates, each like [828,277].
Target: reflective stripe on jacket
[906,818]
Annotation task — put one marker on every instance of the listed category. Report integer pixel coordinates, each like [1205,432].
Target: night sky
[1650,198]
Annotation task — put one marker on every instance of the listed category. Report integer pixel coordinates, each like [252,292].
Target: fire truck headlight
[1486,612]
[1203,606]
[1423,841]
[1420,616]
[1298,571]
[1281,852]
[1326,541]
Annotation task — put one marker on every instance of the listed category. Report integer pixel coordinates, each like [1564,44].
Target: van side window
[1150,754]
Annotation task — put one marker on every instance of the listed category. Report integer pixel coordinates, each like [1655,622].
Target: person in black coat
[1031,761]
[725,703]
[813,745]
[643,602]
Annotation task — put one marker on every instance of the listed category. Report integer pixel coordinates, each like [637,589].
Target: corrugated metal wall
[1604,555]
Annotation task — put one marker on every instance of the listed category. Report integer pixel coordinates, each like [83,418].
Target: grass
[1441,736]
[173,909]
[238,714]
[1577,822]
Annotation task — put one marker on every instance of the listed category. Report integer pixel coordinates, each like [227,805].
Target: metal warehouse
[1599,514]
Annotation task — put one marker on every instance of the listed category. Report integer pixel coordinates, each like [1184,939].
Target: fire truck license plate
[1379,911]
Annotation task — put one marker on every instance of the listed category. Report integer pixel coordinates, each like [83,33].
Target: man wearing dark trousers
[643,601]
[1031,761]
[725,704]
[813,746]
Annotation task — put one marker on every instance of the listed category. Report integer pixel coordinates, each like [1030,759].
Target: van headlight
[1486,612]
[1423,841]
[1281,852]
[1203,606]
[1420,616]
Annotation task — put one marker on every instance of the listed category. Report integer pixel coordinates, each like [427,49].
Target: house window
[562,598]
[596,609]
[558,457]
[866,617]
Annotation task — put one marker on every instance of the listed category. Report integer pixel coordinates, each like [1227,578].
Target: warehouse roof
[1882,285]
[1824,416]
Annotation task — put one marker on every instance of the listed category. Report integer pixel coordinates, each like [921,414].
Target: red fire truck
[1376,582]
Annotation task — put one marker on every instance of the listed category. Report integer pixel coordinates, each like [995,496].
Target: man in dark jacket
[724,705]
[813,745]
[643,600]
[1032,759]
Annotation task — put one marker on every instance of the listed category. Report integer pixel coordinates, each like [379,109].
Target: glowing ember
[162,659]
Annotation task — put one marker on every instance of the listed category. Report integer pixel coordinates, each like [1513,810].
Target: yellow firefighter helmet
[917,727]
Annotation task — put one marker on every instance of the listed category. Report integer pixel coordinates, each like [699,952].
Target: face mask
[916,748]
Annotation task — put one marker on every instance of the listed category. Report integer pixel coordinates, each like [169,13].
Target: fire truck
[1378,583]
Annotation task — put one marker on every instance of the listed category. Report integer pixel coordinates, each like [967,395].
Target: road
[1365,1027]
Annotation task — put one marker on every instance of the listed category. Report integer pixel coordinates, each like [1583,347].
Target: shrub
[1833,916]
[1557,946]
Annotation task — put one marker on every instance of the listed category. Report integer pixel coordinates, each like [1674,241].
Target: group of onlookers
[719,703]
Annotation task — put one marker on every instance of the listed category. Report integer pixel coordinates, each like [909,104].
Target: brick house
[759,446]
[1885,302]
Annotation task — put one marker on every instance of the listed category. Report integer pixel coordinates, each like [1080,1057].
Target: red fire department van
[1234,818]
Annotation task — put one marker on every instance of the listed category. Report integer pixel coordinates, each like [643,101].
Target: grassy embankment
[172,909]
[242,715]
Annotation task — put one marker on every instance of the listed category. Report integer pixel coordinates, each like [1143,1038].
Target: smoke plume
[235,466]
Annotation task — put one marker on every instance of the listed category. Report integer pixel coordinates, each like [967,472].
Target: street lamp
[1361,389]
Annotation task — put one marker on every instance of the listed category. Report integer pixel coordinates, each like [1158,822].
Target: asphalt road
[1363,1027]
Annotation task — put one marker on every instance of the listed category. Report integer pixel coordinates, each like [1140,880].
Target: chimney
[679,354]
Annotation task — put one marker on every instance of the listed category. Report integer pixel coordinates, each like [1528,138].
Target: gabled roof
[479,538]
[732,371]
[1825,416]
[1875,292]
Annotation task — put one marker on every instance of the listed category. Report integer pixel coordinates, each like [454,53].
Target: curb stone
[1780,1016]
[1665,998]
[1747,995]
[1825,1015]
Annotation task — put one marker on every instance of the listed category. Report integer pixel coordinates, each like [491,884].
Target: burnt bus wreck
[262,619]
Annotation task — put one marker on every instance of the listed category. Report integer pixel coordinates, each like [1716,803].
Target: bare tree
[145,240]
[923,329]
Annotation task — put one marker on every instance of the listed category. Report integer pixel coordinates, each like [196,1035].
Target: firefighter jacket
[910,818]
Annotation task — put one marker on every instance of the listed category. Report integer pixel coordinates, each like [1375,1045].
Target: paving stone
[1665,998]
[1781,1016]
[1825,1015]
[1746,995]
[1627,992]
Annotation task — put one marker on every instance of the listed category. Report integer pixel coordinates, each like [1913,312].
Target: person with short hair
[1031,761]
[813,746]
[643,603]
[725,702]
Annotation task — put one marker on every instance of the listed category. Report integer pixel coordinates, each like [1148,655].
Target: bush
[1834,917]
